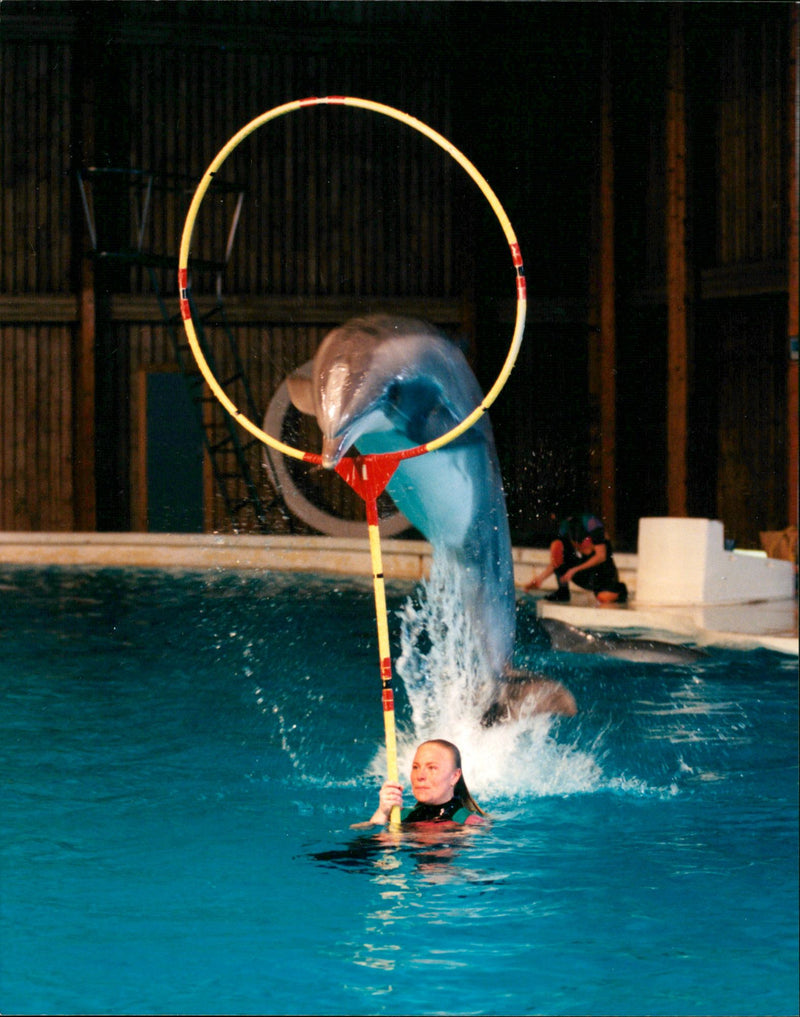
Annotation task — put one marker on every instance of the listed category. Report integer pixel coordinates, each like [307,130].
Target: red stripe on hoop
[316,100]
[183,283]
[516,255]
[521,288]
[388,701]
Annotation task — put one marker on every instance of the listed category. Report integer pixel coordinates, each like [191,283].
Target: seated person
[439,789]
[582,554]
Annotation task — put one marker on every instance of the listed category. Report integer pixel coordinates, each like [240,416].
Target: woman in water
[438,786]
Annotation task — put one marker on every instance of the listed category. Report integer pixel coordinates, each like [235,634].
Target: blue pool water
[182,755]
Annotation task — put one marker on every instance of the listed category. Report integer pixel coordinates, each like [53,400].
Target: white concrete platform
[684,561]
[773,624]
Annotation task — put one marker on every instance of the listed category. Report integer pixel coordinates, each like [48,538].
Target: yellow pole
[368,475]
[384,651]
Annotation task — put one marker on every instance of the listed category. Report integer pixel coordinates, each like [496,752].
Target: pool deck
[772,624]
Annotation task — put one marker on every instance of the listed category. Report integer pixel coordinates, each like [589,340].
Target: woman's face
[433,774]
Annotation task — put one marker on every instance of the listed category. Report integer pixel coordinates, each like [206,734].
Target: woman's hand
[391,795]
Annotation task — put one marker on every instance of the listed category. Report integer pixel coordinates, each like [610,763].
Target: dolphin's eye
[393,393]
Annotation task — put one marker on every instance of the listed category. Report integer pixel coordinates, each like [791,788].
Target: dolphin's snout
[331,453]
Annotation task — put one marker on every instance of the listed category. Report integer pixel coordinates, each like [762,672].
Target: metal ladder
[222,437]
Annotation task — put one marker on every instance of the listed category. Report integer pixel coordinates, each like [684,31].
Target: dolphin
[383,383]
[652,651]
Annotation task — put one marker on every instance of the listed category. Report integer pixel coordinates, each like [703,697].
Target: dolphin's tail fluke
[523,693]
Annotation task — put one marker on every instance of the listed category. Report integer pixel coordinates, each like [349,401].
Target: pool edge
[769,624]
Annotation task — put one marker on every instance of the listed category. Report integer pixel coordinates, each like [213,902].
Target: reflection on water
[430,854]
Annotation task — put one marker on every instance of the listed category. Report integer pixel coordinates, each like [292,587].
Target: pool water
[182,755]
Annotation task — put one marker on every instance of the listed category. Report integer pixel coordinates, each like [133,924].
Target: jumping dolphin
[573,640]
[386,383]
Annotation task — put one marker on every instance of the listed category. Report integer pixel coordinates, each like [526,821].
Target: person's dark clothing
[600,578]
[453,811]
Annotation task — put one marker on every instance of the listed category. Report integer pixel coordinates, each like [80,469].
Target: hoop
[442,142]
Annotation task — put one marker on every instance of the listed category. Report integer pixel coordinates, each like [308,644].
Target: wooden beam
[83,441]
[84,450]
[64,309]
[793,323]
[724,282]
[139,451]
[58,24]
[39,309]
[678,292]
[268,310]
[606,357]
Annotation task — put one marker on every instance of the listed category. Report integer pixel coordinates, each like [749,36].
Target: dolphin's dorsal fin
[301,390]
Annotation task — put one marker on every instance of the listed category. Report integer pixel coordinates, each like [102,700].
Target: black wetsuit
[453,811]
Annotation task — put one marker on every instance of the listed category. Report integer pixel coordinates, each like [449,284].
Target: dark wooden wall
[739,157]
[36,237]
[344,210]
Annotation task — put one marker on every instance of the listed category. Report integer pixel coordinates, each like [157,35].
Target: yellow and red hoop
[442,142]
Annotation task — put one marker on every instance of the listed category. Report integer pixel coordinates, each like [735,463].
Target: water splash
[443,665]
[447,677]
